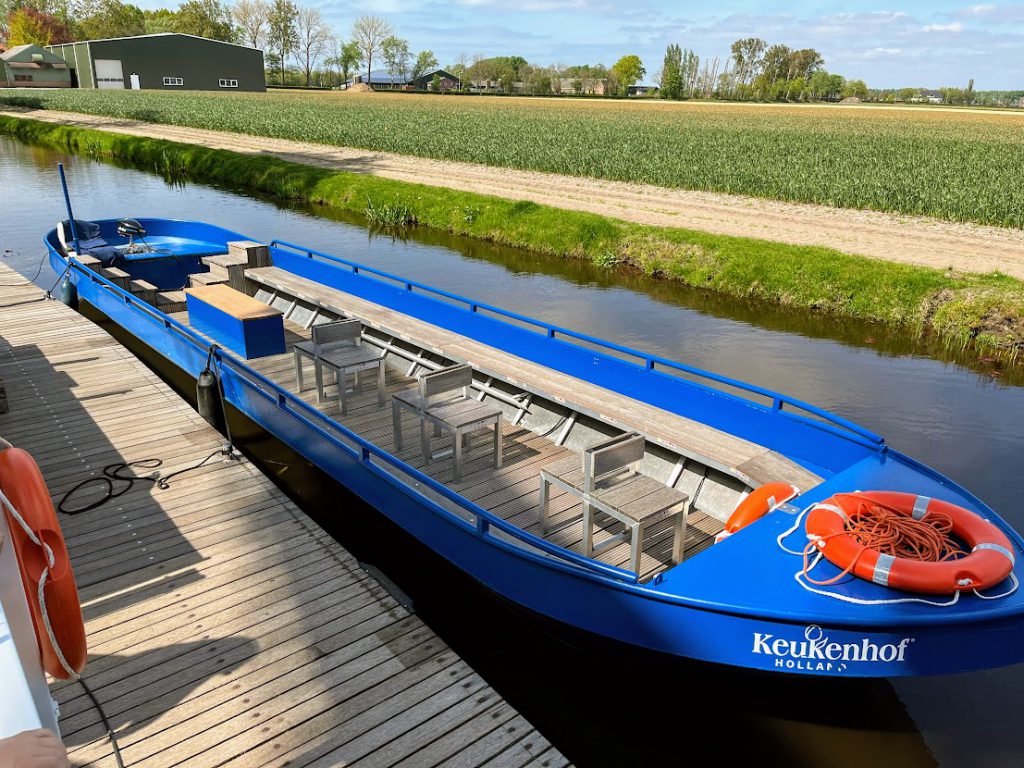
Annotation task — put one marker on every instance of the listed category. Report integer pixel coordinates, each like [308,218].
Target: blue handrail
[646,361]
[311,417]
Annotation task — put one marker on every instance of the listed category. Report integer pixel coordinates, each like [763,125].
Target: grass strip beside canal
[984,311]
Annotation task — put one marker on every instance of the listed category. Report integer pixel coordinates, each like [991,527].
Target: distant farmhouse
[641,90]
[382,80]
[165,61]
[929,97]
[29,66]
[565,86]
[580,86]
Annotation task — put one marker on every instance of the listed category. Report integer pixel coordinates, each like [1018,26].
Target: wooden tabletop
[232,302]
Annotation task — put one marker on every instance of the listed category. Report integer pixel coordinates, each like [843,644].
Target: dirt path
[914,240]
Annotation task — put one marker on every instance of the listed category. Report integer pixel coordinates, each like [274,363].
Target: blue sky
[931,44]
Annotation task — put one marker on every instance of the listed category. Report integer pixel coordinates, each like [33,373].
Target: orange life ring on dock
[989,561]
[756,505]
[60,630]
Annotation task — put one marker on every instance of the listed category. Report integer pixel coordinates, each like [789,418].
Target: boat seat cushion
[89,242]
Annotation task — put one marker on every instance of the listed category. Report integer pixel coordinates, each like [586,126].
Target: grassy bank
[986,311]
[960,166]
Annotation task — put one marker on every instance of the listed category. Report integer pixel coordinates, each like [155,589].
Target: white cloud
[989,12]
[955,26]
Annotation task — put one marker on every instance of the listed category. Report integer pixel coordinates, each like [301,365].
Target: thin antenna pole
[67,202]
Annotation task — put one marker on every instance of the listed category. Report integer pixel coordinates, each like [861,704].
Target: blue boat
[583,480]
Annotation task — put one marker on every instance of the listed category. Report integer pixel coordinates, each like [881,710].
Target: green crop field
[955,165]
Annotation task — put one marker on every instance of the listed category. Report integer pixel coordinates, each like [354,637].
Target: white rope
[860,601]
[50,561]
[1010,591]
[786,534]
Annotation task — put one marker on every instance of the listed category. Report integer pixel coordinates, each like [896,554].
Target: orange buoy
[37,538]
[931,568]
[756,505]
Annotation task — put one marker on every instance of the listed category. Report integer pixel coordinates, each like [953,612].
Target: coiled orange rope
[885,529]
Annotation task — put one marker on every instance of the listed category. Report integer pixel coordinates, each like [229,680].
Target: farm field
[961,166]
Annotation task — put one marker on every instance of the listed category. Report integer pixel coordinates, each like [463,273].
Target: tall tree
[313,37]
[425,62]
[628,70]
[205,18]
[671,73]
[368,33]
[281,30]
[689,67]
[345,58]
[747,55]
[395,52]
[27,25]
[252,17]
[160,20]
[109,18]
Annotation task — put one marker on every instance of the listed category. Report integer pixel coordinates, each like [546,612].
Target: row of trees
[754,71]
[46,22]
[514,74]
[950,95]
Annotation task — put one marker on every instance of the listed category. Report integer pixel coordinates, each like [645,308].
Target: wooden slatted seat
[338,347]
[441,399]
[605,477]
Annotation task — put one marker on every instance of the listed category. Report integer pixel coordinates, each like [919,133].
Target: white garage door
[109,73]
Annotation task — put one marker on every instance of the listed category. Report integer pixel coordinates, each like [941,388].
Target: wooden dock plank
[225,626]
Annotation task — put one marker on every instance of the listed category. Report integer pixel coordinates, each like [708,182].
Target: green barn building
[166,61]
[29,66]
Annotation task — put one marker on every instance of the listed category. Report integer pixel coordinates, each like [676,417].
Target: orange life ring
[989,561]
[23,485]
[756,505]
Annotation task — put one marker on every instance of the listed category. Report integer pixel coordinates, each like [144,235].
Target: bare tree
[253,19]
[369,32]
[313,38]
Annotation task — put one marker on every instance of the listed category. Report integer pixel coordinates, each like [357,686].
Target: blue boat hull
[560,587]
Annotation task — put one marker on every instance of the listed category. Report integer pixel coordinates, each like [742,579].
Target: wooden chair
[441,400]
[605,478]
[337,346]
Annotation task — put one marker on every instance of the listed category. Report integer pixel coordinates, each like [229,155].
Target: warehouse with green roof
[166,61]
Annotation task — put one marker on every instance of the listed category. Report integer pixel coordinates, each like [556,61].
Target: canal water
[605,705]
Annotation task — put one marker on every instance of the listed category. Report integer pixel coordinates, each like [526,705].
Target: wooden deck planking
[511,491]
[709,445]
[225,626]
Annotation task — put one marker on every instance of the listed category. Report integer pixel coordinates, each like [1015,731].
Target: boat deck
[511,492]
[225,627]
[733,455]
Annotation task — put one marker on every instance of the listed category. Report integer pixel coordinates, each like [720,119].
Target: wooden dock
[225,627]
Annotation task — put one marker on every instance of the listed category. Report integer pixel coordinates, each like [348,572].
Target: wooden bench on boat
[236,321]
[338,346]
[753,464]
[605,477]
[441,400]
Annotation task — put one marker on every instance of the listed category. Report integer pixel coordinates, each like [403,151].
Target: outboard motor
[131,229]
